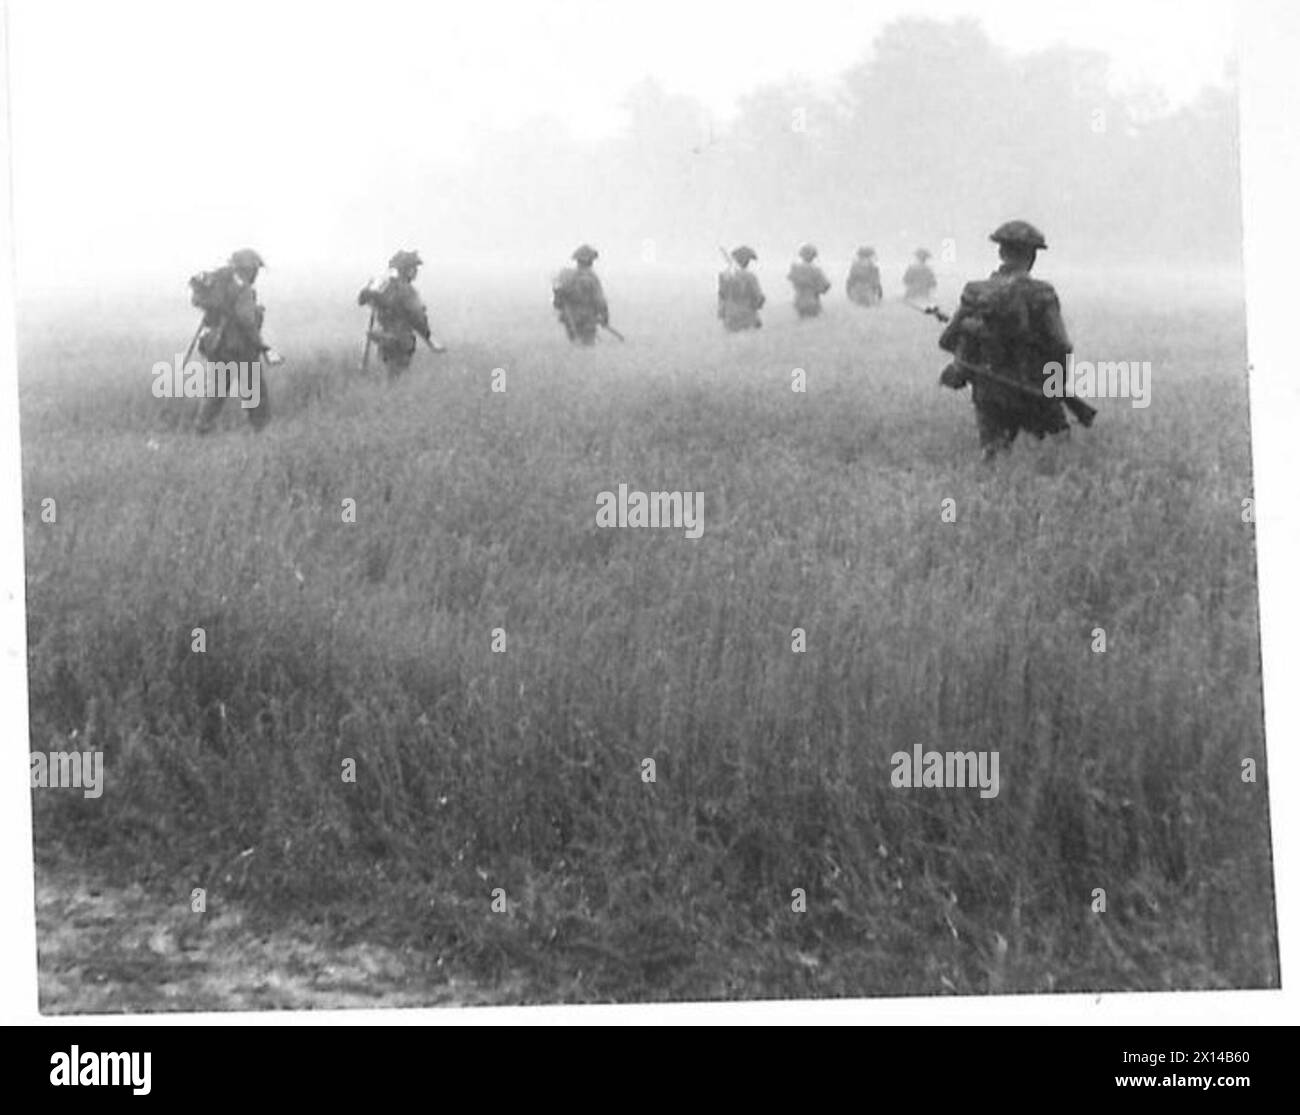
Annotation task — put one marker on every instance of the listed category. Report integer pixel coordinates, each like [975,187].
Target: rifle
[952,376]
[193,341]
[365,356]
[611,329]
[725,280]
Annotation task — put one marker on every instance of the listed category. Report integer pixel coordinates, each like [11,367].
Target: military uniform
[400,315]
[1010,324]
[919,283]
[809,282]
[579,299]
[232,333]
[863,284]
[739,295]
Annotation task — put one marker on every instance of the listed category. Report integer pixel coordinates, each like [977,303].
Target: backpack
[997,326]
[210,292]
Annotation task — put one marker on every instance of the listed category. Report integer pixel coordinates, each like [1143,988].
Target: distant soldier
[809,282]
[739,295]
[398,315]
[863,285]
[1010,326]
[579,299]
[231,332]
[919,283]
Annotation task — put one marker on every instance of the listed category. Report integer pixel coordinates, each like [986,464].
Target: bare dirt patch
[111,949]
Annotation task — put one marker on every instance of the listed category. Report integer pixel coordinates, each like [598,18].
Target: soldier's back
[810,283]
[580,286]
[919,279]
[808,276]
[741,298]
[863,283]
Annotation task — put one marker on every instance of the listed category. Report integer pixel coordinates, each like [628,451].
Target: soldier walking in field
[739,295]
[231,334]
[1006,330]
[863,284]
[919,283]
[579,299]
[809,282]
[397,315]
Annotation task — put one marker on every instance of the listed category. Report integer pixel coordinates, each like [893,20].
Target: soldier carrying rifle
[579,299]
[739,295]
[1006,329]
[919,283]
[863,284]
[230,333]
[397,315]
[809,282]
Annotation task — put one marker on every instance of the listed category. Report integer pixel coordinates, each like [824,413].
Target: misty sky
[151,137]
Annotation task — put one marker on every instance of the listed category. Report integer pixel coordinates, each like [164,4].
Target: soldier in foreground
[397,315]
[1006,329]
[231,332]
[579,299]
[919,283]
[809,282]
[739,295]
[863,285]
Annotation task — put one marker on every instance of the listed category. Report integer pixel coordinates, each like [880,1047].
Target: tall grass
[328,640]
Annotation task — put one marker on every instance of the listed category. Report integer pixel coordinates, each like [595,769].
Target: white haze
[151,138]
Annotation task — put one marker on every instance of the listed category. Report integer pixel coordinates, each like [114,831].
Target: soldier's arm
[602,307]
[950,338]
[1052,326]
[247,315]
[413,309]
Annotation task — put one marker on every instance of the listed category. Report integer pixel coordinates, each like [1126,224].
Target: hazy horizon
[331,147]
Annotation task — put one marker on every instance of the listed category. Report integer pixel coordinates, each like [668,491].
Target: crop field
[499,667]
